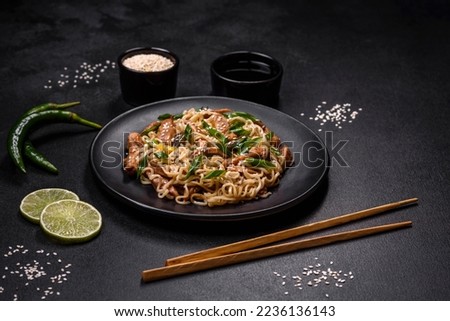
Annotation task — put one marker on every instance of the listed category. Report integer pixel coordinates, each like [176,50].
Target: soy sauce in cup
[247,75]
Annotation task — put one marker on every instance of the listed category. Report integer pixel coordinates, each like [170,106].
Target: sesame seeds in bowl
[148,62]
[147,75]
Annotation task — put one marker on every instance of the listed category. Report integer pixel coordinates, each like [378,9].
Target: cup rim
[274,63]
[157,50]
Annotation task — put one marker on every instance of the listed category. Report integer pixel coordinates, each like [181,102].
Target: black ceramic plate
[311,161]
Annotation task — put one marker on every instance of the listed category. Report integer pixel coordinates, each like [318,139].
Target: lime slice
[32,205]
[71,221]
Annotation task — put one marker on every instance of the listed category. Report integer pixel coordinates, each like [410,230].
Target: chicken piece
[222,110]
[134,145]
[287,154]
[275,141]
[259,151]
[219,122]
[213,150]
[166,130]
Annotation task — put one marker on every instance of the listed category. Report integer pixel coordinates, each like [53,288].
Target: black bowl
[139,87]
[247,75]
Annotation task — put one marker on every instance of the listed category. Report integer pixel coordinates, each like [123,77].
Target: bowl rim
[157,50]
[274,62]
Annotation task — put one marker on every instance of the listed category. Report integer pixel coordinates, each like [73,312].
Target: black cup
[139,87]
[247,75]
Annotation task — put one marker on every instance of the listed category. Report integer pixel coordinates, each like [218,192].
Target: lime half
[32,205]
[71,221]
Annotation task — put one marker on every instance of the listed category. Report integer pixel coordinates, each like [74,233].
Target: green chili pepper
[49,106]
[37,158]
[18,133]
[256,162]
[215,173]
[29,151]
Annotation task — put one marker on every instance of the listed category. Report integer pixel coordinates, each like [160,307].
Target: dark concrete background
[389,58]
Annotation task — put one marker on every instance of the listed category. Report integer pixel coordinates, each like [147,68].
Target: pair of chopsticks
[251,249]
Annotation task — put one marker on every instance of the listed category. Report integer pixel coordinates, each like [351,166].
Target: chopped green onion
[154,142]
[238,129]
[256,162]
[236,125]
[213,132]
[243,115]
[275,151]
[245,145]
[188,133]
[194,166]
[161,155]
[269,136]
[222,139]
[142,166]
[150,129]
[164,116]
[215,173]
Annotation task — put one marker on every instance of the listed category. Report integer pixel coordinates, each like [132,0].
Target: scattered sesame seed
[26,269]
[316,277]
[84,71]
[338,114]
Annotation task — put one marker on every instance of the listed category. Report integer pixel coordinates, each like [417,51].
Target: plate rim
[220,217]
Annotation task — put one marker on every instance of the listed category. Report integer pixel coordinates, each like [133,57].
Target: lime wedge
[71,221]
[32,205]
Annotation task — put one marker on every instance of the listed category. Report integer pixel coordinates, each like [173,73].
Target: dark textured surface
[389,58]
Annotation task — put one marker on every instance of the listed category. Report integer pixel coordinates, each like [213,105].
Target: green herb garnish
[161,155]
[215,173]
[222,140]
[243,115]
[214,132]
[194,166]
[245,145]
[188,133]
[238,129]
[269,136]
[256,162]
[150,129]
[166,116]
[275,151]
[142,165]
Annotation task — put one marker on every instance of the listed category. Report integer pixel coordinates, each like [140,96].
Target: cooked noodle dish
[208,157]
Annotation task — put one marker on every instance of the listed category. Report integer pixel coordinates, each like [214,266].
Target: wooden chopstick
[218,261]
[286,234]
